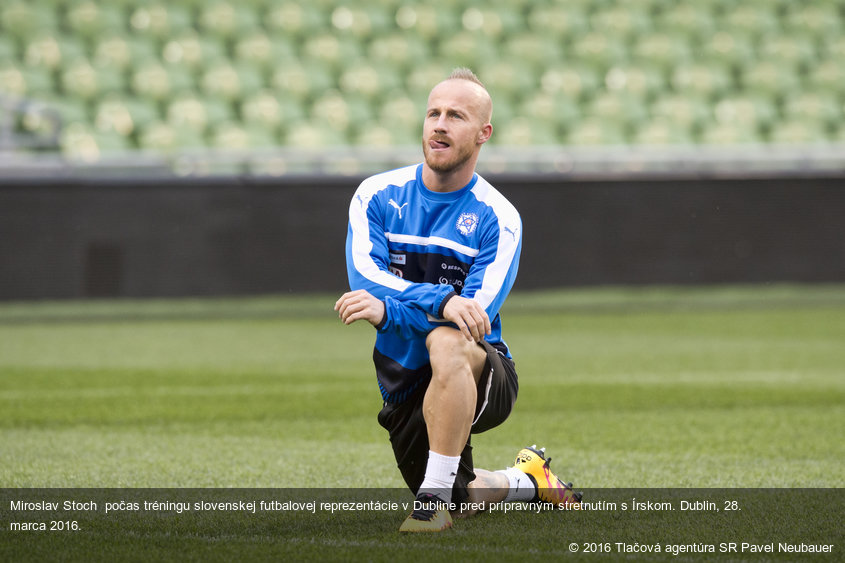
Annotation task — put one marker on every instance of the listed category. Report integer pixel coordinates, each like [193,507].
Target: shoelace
[427,509]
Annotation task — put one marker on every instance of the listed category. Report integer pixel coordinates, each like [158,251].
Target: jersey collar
[443,196]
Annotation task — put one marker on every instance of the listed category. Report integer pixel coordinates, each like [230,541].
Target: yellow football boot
[429,515]
[550,488]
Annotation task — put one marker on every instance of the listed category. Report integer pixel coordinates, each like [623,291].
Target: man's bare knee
[445,337]
[449,351]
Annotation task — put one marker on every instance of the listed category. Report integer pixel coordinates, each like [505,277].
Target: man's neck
[447,181]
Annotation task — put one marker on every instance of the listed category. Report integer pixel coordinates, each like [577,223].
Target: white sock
[522,488]
[440,473]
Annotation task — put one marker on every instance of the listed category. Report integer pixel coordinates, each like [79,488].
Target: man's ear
[485,134]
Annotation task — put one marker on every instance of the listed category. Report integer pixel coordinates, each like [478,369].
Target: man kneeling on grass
[432,252]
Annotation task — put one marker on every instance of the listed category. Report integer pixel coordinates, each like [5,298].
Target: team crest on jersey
[467,223]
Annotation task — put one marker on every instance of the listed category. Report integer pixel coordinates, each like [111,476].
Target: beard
[439,163]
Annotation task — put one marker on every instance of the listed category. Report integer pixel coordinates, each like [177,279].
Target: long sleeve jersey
[415,249]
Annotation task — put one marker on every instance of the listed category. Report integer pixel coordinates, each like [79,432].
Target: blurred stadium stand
[273,87]
[209,147]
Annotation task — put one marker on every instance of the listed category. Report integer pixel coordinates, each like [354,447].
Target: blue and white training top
[415,248]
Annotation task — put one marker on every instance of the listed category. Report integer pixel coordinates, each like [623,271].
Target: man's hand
[470,317]
[357,305]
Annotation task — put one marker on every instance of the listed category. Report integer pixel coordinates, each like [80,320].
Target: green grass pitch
[726,387]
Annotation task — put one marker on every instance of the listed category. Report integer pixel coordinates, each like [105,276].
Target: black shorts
[497,390]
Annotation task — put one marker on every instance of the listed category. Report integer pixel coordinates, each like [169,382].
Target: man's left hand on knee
[469,316]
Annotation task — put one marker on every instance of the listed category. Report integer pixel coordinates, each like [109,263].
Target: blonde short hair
[463,73]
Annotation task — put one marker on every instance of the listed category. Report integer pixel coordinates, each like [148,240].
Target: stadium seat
[599,50]
[295,20]
[575,81]
[620,21]
[229,82]
[227,20]
[692,19]
[155,81]
[798,132]
[422,77]
[750,111]
[39,120]
[122,115]
[12,81]
[641,81]
[80,79]
[331,50]
[625,111]
[22,19]
[401,111]
[340,112]
[384,134]
[398,52]
[51,50]
[533,49]
[524,131]
[662,132]
[261,51]
[466,48]
[689,113]
[89,19]
[20,80]
[162,137]
[312,135]
[82,143]
[232,135]
[729,49]
[187,111]
[721,134]
[192,52]
[503,111]
[552,109]
[496,22]
[662,50]
[594,132]
[814,19]
[120,51]
[428,21]
[771,78]
[160,20]
[264,107]
[750,20]
[701,80]
[827,77]
[796,51]
[583,6]
[70,110]
[112,115]
[197,113]
[361,21]
[508,79]
[814,106]
[366,80]
[301,80]
[374,135]
[558,21]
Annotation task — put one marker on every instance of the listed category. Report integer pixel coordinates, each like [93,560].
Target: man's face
[453,130]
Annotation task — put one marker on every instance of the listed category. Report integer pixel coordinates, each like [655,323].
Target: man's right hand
[469,316]
[359,305]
